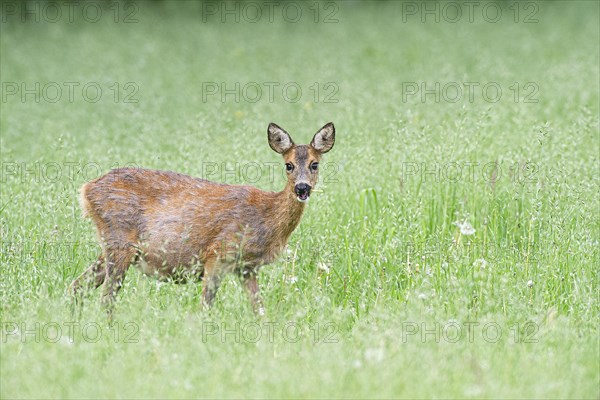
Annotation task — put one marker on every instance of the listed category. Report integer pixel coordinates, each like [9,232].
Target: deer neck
[287,212]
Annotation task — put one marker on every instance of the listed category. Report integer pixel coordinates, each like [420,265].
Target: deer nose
[302,191]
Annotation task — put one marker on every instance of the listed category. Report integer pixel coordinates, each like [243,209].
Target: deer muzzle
[302,191]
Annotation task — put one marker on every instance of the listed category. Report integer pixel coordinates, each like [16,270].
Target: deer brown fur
[175,226]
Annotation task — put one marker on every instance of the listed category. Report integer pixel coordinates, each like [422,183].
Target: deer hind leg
[118,259]
[91,278]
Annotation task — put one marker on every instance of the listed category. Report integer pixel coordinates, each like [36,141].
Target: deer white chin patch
[303,200]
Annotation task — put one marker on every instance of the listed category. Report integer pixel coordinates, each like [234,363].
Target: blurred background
[463,186]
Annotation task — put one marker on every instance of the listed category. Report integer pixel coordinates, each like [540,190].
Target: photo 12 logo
[253,92]
[470,11]
[69,332]
[489,172]
[254,172]
[454,332]
[54,172]
[326,12]
[253,332]
[69,92]
[469,92]
[53,250]
[69,11]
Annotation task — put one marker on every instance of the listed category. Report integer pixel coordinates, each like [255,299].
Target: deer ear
[324,138]
[279,140]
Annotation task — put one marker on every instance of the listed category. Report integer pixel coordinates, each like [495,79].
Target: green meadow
[452,247]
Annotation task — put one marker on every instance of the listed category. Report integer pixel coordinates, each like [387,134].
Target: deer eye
[314,166]
[289,167]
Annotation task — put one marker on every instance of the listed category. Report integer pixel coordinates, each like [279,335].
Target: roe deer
[175,226]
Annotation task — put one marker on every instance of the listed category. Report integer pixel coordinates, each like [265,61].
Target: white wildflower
[465,227]
[530,283]
[322,267]
[289,254]
[375,355]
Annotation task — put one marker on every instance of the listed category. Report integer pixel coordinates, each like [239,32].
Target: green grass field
[453,249]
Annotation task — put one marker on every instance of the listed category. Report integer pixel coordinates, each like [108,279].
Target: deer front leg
[250,281]
[212,280]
